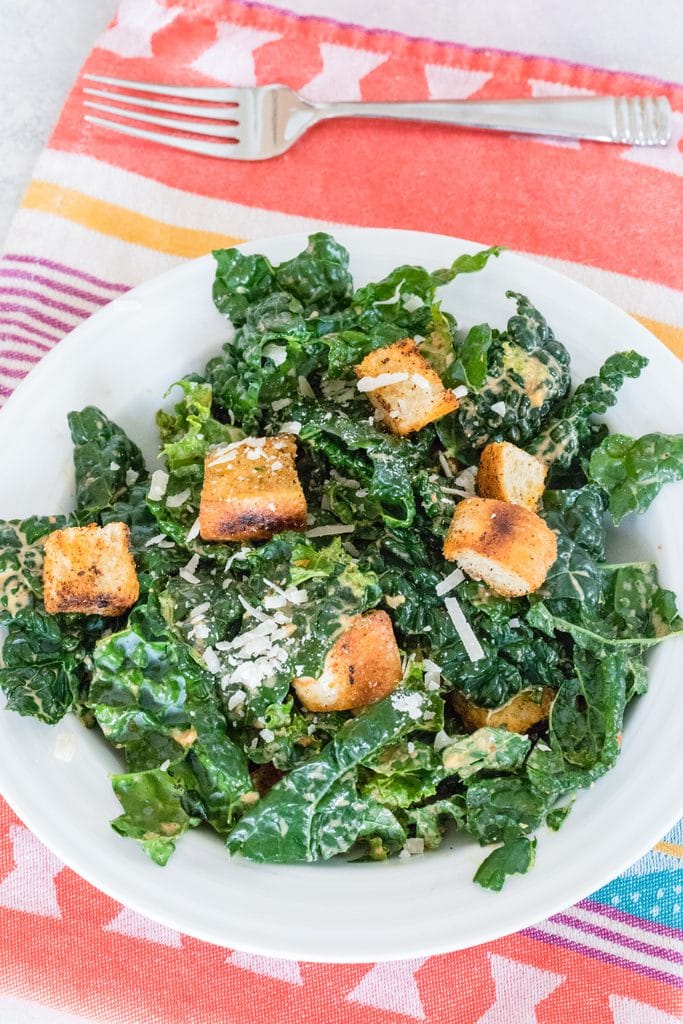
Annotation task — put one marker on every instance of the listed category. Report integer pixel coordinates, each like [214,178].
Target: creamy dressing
[15,593]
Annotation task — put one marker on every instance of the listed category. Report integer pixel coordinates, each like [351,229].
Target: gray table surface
[43,43]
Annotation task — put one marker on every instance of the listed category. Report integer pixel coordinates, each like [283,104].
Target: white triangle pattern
[281,970]
[446,83]
[231,57]
[391,986]
[135,926]
[30,885]
[343,69]
[519,989]
[628,1011]
[541,87]
[663,158]
[136,22]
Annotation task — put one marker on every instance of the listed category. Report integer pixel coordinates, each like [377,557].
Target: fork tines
[210,107]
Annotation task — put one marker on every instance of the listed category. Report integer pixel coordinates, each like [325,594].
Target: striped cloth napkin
[103,213]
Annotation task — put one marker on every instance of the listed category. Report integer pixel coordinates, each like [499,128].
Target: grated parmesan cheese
[441,741]
[411,703]
[65,746]
[193,531]
[187,572]
[420,381]
[211,661]
[293,427]
[467,479]
[332,530]
[276,353]
[304,388]
[156,539]
[412,302]
[472,646]
[236,700]
[280,403]
[176,500]
[449,582]
[498,408]
[445,465]
[131,477]
[460,392]
[157,485]
[382,380]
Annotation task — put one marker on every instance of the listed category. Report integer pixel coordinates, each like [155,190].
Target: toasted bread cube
[413,394]
[251,490]
[525,709]
[506,546]
[508,473]
[363,666]
[89,569]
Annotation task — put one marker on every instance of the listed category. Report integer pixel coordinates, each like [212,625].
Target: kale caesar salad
[365,604]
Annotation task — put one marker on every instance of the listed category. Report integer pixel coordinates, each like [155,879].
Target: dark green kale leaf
[275,345]
[501,809]
[527,375]
[298,735]
[561,440]
[381,463]
[403,774]
[472,361]
[44,657]
[486,749]
[633,471]
[315,812]
[153,811]
[319,276]
[382,830]
[104,459]
[635,613]
[240,281]
[586,715]
[204,613]
[40,670]
[431,821]
[186,434]
[410,290]
[585,725]
[402,305]
[515,857]
[580,514]
[146,691]
[21,561]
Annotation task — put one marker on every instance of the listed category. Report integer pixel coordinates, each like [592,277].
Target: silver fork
[264,121]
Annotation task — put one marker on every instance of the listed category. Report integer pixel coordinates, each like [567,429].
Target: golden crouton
[363,666]
[413,395]
[251,490]
[508,473]
[508,547]
[526,708]
[89,569]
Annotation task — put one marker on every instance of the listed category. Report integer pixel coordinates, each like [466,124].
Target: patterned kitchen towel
[103,213]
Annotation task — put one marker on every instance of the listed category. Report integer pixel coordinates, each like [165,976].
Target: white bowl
[123,359]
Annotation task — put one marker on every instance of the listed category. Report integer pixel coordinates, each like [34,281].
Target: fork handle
[634,120]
